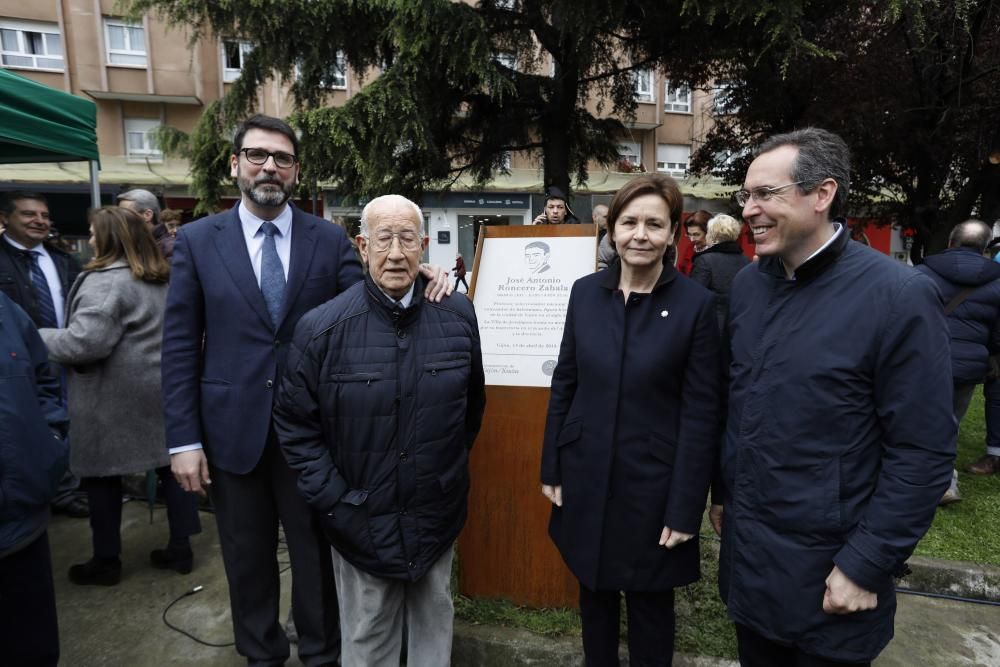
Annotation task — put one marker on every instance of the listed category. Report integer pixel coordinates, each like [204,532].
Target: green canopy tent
[42,124]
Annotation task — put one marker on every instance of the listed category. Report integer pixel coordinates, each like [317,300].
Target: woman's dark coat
[715,267]
[632,429]
[377,412]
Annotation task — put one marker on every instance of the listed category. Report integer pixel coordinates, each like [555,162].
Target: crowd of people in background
[250,356]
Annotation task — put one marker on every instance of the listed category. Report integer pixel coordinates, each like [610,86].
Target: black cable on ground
[196,589]
[947,596]
[282,548]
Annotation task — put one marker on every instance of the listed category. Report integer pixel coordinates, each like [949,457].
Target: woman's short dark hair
[268,124]
[698,219]
[648,184]
[119,233]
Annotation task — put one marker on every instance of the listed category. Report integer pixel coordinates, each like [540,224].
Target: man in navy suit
[240,281]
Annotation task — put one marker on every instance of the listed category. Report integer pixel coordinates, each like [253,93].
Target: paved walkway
[122,625]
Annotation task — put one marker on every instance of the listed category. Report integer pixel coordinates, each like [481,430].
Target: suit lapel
[232,248]
[303,247]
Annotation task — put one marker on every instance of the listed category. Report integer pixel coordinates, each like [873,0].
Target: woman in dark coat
[632,429]
[717,265]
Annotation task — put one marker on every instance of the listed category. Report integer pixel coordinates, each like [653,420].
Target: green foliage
[966,530]
[546,622]
[702,625]
[444,103]
[910,84]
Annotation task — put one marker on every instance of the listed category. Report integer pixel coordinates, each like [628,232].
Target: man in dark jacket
[26,258]
[382,400]
[33,455]
[37,275]
[840,437]
[970,293]
[557,210]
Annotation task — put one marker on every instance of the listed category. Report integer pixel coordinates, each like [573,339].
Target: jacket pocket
[434,367]
[449,479]
[570,433]
[662,448]
[446,381]
[346,524]
[798,496]
[355,377]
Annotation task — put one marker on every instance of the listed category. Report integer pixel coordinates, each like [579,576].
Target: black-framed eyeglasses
[762,193]
[259,156]
[381,240]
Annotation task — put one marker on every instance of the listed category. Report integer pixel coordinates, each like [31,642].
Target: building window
[643,79]
[233,56]
[630,155]
[140,144]
[724,93]
[673,158]
[30,45]
[508,60]
[676,99]
[126,43]
[336,74]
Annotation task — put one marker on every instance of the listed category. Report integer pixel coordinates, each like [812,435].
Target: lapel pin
[664,313]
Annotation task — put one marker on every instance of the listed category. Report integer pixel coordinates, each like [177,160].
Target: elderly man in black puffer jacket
[382,400]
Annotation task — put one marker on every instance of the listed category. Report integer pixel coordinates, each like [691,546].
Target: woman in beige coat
[111,348]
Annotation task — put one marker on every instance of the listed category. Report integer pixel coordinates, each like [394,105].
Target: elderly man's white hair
[387,199]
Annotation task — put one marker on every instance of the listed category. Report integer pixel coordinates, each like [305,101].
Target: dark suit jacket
[15,276]
[222,356]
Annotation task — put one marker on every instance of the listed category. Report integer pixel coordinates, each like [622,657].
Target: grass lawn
[702,626]
[967,530]
[963,531]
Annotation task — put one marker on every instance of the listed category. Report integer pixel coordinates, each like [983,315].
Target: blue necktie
[272,274]
[46,307]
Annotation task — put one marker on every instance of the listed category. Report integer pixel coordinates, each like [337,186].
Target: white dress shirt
[404,300]
[51,277]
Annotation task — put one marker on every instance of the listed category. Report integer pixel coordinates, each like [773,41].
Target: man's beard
[265,196]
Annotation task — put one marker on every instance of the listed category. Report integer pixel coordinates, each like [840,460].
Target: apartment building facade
[143,74]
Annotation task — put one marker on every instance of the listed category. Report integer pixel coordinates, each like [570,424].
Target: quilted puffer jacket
[377,412]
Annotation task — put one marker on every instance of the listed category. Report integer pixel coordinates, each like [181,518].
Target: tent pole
[95,187]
